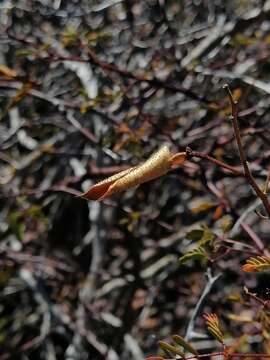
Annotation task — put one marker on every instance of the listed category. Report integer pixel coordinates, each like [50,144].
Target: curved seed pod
[157,165]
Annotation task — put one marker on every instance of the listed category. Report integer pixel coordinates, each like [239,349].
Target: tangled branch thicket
[90,89]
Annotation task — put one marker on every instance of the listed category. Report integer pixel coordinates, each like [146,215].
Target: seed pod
[157,165]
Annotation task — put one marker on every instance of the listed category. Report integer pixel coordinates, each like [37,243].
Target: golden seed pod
[157,165]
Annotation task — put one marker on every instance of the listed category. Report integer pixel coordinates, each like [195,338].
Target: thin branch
[255,297]
[86,132]
[256,239]
[243,158]
[210,282]
[217,162]
[235,229]
[223,353]
[234,355]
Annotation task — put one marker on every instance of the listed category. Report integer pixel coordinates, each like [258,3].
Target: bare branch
[208,286]
[243,158]
[217,162]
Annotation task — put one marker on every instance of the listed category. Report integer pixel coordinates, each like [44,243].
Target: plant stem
[223,353]
[202,155]
[243,158]
[258,242]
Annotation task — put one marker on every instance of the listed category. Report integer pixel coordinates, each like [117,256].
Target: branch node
[188,151]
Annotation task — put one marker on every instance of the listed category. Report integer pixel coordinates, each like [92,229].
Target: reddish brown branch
[223,353]
[243,158]
[255,238]
[217,162]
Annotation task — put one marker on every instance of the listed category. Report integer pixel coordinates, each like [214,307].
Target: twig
[243,158]
[223,353]
[202,155]
[87,133]
[234,355]
[255,297]
[255,238]
[210,282]
[234,230]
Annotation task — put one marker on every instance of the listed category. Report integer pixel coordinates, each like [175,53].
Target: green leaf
[207,238]
[203,235]
[186,345]
[197,253]
[212,323]
[170,348]
[258,263]
[195,234]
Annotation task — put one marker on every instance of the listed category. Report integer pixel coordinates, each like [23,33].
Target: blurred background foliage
[89,88]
